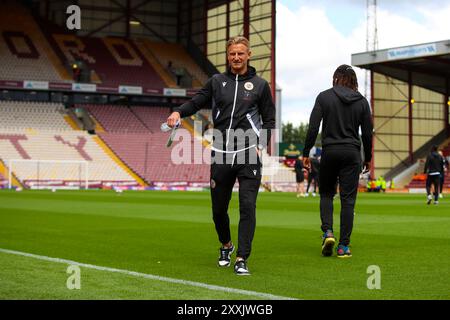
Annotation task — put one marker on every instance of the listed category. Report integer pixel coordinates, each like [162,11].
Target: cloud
[310,47]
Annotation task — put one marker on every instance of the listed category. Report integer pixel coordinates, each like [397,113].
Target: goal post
[42,174]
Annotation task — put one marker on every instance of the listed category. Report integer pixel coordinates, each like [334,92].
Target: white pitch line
[151,276]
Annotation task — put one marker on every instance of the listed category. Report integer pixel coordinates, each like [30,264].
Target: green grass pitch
[171,234]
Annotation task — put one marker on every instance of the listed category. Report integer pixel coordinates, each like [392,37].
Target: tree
[288,133]
[297,135]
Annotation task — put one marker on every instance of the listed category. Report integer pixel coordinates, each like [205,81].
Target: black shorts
[300,178]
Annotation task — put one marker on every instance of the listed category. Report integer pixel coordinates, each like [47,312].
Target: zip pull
[232,111]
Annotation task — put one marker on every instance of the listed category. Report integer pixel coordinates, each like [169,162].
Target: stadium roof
[426,65]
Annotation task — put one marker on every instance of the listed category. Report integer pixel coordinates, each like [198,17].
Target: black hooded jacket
[434,164]
[343,112]
[237,102]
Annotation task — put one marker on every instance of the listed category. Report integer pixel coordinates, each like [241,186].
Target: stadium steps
[57,64]
[166,52]
[98,126]
[418,181]
[445,147]
[140,119]
[4,171]
[419,153]
[114,118]
[71,123]
[153,117]
[118,161]
[165,76]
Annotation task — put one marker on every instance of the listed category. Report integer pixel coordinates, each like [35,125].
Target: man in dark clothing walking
[343,111]
[313,175]
[300,177]
[243,114]
[433,167]
[444,168]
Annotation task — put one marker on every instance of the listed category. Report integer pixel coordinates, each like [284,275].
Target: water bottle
[165,127]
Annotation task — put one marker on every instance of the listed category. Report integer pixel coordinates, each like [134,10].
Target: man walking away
[433,167]
[343,111]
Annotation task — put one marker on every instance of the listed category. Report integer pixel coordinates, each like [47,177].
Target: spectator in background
[179,73]
[369,185]
[432,168]
[76,72]
[313,175]
[375,186]
[444,168]
[382,183]
[300,177]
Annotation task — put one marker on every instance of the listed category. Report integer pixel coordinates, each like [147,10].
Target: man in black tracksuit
[433,167]
[343,111]
[243,113]
[299,176]
[444,168]
[313,175]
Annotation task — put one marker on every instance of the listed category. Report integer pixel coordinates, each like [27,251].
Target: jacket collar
[251,72]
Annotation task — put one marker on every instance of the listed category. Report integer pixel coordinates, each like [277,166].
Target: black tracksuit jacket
[237,102]
[434,164]
[343,111]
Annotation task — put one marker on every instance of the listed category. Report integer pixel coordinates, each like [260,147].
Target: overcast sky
[314,37]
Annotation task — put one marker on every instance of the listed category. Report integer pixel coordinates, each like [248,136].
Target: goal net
[49,174]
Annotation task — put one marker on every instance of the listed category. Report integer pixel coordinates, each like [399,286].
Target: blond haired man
[243,114]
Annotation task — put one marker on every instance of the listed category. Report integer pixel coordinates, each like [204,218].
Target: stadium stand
[151,117]
[277,176]
[168,79]
[117,118]
[38,131]
[118,61]
[133,133]
[114,61]
[61,146]
[24,51]
[148,156]
[32,115]
[175,53]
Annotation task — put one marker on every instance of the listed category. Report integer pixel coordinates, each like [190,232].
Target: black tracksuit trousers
[311,177]
[343,162]
[223,178]
[435,181]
